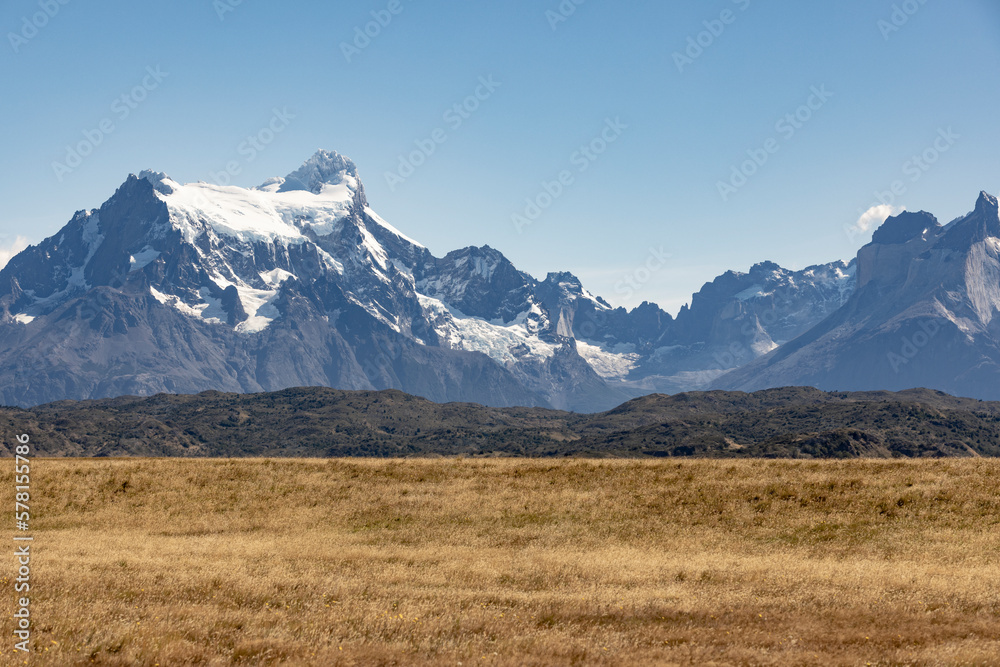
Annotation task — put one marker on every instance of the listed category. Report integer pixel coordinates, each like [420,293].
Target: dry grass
[513,562]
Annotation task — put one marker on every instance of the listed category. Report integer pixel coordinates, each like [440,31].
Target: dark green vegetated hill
[791,422]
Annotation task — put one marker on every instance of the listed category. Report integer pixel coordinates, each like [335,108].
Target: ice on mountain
[753,292]
[612,364]
[143,258]
[459,331]
[275,277]
[191,311]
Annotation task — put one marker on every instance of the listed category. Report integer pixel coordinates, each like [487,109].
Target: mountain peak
[564,285]
[986,203]
[905,227]
[559,277]
[324,168]
[158,180]
[982,223]
[766,267]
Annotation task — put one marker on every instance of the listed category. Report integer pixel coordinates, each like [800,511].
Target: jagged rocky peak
[324,168]
[905,227]
[564,285]
[565,281]
[561,277]
[486,264]
[981,224]
[160,181]
[766,267]
[482,260]
[986,203]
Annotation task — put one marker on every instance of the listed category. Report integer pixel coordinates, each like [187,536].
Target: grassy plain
[512,562]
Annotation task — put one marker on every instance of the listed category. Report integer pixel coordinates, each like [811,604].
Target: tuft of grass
[512,562]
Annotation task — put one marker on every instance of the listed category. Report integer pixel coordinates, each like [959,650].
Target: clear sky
[669,96]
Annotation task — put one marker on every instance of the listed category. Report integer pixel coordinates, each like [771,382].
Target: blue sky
[874,83]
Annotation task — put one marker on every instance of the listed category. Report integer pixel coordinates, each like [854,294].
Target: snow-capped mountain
[182,288]
[926,312]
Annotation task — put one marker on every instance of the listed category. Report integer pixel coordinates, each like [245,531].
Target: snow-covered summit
[254,215]
[324,170]
[311,202]
[158,180]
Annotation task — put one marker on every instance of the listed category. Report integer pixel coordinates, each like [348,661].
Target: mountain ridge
[298,282]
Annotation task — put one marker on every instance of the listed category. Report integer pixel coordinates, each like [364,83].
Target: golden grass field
[512,562]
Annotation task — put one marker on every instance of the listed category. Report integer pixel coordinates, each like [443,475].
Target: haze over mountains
[298,282]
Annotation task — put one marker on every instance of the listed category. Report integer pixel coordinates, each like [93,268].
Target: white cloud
[8,250]
[872,218]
